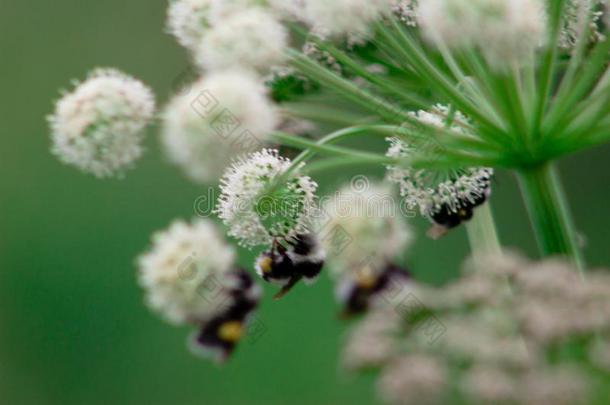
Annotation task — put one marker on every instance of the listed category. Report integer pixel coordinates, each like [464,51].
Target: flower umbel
[262,201]
[190,278]
[98,127]
[439,194]
[225,46]
[222,116]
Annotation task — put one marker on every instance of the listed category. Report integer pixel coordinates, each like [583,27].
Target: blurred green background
[73,328]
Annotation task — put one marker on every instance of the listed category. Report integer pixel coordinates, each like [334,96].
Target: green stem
[302,143]
[482,234]
[548,210]
[335,163]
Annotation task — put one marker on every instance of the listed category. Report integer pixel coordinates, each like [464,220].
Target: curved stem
[334,163]
[549,214]
[325,148]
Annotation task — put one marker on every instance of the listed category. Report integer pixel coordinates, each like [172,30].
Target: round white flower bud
[366,229]
[345,17]
[98,127]
[188,20]
[183,272]
[252,38]
[222,116]
[259,205]
[503,30]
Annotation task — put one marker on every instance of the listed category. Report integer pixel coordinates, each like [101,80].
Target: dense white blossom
[430,190]
[184,270]
[188,21]
[579,15]
[222,116]
[252,39]
[345,17]
[504,30]
[258,204]
[366,229]
[98,127]
[406,10]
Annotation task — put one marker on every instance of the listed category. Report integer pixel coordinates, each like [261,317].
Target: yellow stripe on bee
[265,264]
[231,331]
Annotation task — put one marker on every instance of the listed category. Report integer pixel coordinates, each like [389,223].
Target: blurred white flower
[414,379]
[345,17]
[188,21]
[366,228]
[292,9]
[223,115]
[504,30]
[251,39]
[406,10]
[98,127]
[258,204]
[184,271]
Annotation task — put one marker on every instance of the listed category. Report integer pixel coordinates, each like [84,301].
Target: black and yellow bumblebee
[301,258]
[357,293]
[447,217]
[218,336]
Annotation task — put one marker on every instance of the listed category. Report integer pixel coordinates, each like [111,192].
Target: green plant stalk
[482,234]
[549,214]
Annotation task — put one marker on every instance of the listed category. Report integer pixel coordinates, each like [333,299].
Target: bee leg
[437,231]
[286,289]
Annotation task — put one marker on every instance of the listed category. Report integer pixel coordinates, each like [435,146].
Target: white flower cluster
[224,34]
[504,30]
[252,38]
[188,20]
[98,127]
[345,17]
[406,10]
[223,115]
[372,225]
[175,271]
[432,191]
[498,337]
[258,204]
[575,13]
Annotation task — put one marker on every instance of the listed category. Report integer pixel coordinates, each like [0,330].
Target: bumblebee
[357,294]
[302,258]
[219,335]
[447,218]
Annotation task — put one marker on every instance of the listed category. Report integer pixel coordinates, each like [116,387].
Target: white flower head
[406,10]
[366,227]
[183,272]
[503,30]
[252,38]
[575,15]
[414,379]
[222,116]
[188,21]
[345,17]
[223,9]
[290,9]
[260,201]
[99,126]
[429,190]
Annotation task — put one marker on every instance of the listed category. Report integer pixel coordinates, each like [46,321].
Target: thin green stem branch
[297,142]
[549,214]
[482,233]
